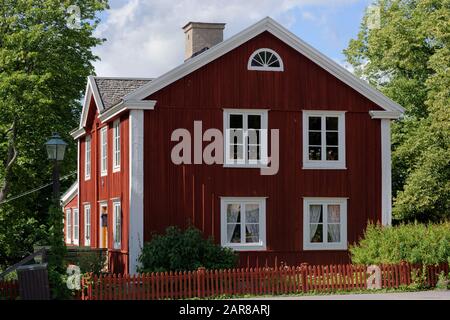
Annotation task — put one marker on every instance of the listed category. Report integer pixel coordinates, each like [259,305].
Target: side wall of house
[190,194]
[105,189]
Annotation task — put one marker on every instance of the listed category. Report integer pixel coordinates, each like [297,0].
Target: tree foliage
[408,58]
[43,67]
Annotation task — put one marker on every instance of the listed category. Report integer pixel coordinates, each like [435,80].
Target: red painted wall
[114,185]
[179,195]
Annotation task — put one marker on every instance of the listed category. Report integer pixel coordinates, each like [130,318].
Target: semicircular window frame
[265,62]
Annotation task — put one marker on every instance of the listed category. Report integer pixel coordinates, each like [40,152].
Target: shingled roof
[112,90]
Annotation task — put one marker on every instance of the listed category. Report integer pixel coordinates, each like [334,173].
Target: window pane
[334,213]
[253,153]
[251,213]
[234,233]
[332,123]
[236,136]
[315,139]
[275,64]
[254,136]
[332,138]
[236,152]
[233,213]
[315,213]
[315,123]
[334,233]
[254,121]
[332,153]
[316,233]
[236,121]
[315,153]
[251,233]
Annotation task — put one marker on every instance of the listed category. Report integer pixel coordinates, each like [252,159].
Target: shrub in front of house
[184,250]
[414,243]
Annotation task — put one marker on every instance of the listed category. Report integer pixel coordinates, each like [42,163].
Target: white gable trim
[127,105]
[91,90]
[385,114]
[267,24]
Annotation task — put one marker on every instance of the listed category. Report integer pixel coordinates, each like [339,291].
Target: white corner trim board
[269,25]
[386,179]
[136,212]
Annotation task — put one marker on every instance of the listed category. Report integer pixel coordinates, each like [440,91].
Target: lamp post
[56,148]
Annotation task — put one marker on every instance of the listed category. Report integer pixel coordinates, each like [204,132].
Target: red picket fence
[9,290]
[255,281]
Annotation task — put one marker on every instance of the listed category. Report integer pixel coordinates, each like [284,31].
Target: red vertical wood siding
[190,194]
[114,185]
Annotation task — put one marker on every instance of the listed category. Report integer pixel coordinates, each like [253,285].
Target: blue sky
[145,37]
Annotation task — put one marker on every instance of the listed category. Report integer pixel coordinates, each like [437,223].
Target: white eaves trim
[78,133]
[69,194]
[385,114]
[126,105]
[270,25]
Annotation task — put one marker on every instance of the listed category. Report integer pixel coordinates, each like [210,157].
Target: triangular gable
[270,25]
[91,91]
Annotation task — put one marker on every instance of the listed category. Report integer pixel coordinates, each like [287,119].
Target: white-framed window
[265,59]
[116,145]
[324,140]
[68,226]
[76,226]
[245,137]
[104,151]
[87,224]
[87,158]
[243,223]
[117,225]
[325,224]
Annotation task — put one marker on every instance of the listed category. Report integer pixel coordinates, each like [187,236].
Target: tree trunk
[11,159]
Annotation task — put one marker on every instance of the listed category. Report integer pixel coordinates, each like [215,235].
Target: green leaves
[43,70]
[186,250]
[408,58]
[414,243]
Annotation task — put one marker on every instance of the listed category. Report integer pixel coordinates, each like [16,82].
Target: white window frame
[224,201]
[245,163]
[265,68]
[87,157]
[76,226]
[87,224]
[104,151]
[307,244]
[69,226]
[116,145]
[324,164]
[117,210]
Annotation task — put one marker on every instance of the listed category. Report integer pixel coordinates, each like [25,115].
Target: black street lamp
[56,148]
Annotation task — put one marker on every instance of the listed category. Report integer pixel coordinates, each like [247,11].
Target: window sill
[116,169]
[245,165]
[323,166]
[103,174]
[324,247]
[87,178]
[246,247]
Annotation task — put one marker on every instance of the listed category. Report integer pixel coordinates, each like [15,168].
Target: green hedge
[415,243]
[186,250]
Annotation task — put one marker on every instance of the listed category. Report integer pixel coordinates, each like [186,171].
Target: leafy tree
[408,58]
[43,67]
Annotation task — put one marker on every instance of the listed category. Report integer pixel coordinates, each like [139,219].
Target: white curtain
[233,212]
[314,218]
[334,229]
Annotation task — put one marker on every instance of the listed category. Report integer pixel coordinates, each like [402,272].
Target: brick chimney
[201,36]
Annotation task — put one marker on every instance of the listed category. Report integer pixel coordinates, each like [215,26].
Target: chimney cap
[203,25]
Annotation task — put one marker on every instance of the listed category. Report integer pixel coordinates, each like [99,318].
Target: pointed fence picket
[255,281]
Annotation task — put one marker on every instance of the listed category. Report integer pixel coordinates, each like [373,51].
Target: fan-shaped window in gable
[265,60]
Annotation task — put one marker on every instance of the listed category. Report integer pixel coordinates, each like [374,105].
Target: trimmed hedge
[414,243]
[186,250]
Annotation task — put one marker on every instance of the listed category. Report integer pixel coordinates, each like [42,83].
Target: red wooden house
[263,89]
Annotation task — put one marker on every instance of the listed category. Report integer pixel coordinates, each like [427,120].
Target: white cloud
[144,38]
